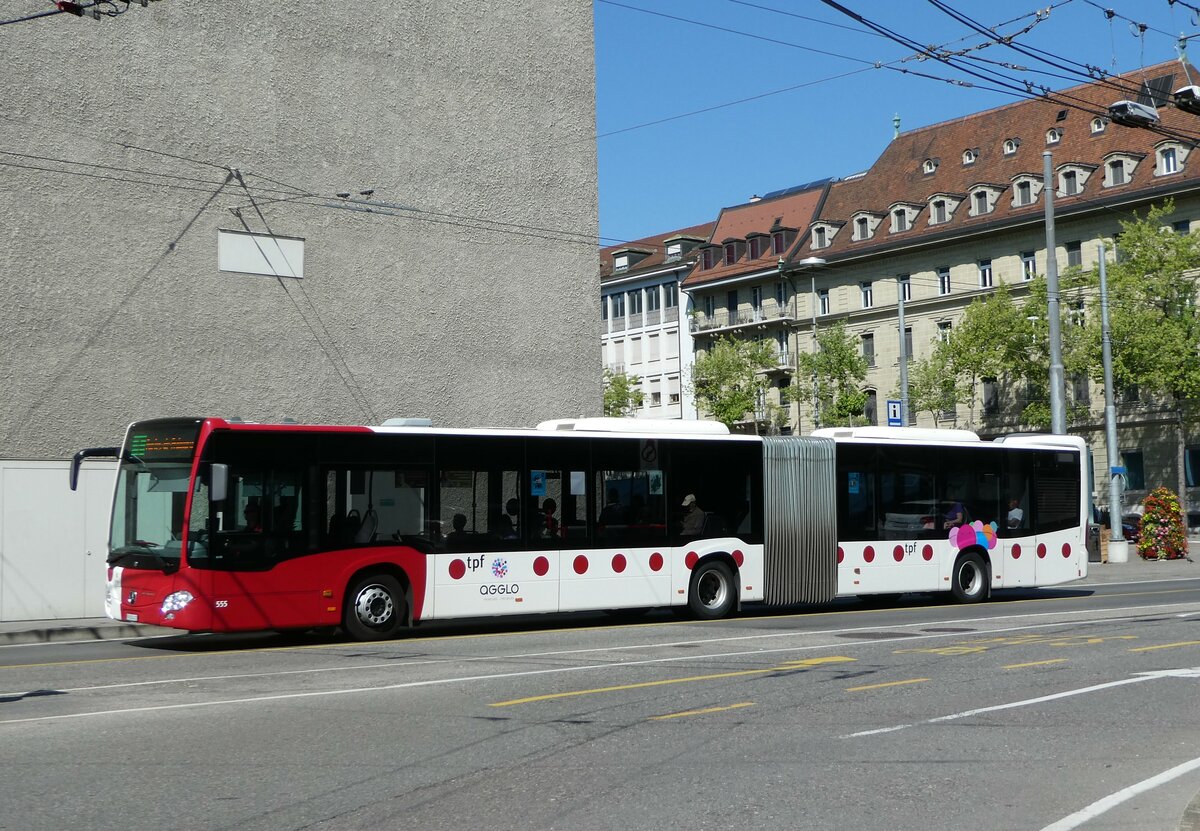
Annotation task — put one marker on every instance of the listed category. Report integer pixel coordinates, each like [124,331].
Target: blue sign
[893,410]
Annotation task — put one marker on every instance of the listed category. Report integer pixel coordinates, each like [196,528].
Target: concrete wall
[474,114]
[128,143]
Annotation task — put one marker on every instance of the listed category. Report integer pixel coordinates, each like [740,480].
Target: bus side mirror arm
[105,452]
[218,482]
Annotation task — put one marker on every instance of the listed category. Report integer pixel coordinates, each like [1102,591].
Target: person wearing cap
[693,517]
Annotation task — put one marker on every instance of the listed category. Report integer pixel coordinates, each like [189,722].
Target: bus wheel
[711,594]
[968,584]
[375,608]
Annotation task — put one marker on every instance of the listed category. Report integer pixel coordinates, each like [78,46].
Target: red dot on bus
[898,553]
[580,564]
[540,566]
[927,552]
[457,569]
[656,562]
[738,558]
[1016,551]
[618,563]
[690,559]
[1041,550]
[841,554]
[869,554]
[1066,549]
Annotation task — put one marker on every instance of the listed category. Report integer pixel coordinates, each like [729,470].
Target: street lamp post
[812,264]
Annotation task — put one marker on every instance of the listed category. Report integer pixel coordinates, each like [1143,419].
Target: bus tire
[969,582]
[711,594]
[375,608]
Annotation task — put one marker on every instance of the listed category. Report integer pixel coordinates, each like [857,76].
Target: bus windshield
[152,490]
[148,513]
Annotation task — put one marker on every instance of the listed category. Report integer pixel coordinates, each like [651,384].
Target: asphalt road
[1038,710]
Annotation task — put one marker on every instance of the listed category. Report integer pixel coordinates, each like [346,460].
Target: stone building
[237,209]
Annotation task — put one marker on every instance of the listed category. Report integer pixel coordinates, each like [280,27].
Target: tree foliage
[623,394]
[839,371]
[934,386]
[726,380]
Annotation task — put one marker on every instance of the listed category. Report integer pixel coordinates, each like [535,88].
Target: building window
[980,200]
[621,263]
[985,274]
[929,166]
[731,304]
[1074,254]
[1097,126]
[653,301]
[1053,135]
[635,301]
[1076,315]
[868,349]
[943,275]
[823,301]
[1079,389]
[939,211]
[871,409]
[781,294]
[1182,226]
[969,156]
[905,287]
[710,304]
[863,228]
[756,247]
[731,253]
[819,238]
[618,304]
[674,251]
[899,220]
[707,258]
[1070,183]
[1010,147]
[991,396]
[1116,172]
[670,295]
[1168,161]
[1024,193]
[1028,265]
[756,299]
[868,295]
[1130,394]
[604,308]
[908,349]
[944,330]
[779,242]
[1135,470]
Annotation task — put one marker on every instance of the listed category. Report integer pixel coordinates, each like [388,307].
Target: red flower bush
[1163,536]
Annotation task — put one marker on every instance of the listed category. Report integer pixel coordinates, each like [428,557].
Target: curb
[99,631]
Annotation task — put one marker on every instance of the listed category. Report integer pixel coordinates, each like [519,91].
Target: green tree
[1153,314]
[934,386]
[726,379]
[622,394]
[837,370]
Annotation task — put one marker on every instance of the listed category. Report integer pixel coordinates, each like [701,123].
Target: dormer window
[819,237]
[1169,157]
[983,199]
[1053,135]
[1026,190]
[1114,173]
[938,213]
[731,253]
[1098,125]
[903,217]
[942,207]
[627,258]
[756,247]
[621,262]
[708,258]
[1072,178]
[674,251]
[781,239]
[864,226]
[969,156]
[929,166]
[1011,145]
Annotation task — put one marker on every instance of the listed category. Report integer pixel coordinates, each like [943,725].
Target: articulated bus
[222,526]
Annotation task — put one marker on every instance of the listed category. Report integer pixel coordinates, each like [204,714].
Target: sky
[657,60]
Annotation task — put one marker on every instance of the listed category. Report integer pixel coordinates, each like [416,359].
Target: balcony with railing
[723,320]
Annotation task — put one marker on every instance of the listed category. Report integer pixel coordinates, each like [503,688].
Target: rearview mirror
[219,485]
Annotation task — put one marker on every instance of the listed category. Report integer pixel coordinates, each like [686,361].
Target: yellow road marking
[888,684]
[1035,663]
[806,662]
[705,711]
[1165,646]
[641,685]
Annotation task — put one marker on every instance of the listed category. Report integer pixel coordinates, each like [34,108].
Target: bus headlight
[176,602]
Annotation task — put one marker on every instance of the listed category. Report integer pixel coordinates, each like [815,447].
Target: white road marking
[581,668]
[1192,672]
[1111,801]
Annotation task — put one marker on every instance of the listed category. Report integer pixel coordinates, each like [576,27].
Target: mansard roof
[656,246]
[898,175]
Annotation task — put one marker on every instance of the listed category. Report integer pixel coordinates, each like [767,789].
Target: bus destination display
[165,444]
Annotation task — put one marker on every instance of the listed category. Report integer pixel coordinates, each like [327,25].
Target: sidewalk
[86,629]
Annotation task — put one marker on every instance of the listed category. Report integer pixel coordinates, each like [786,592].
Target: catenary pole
[1058,410]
